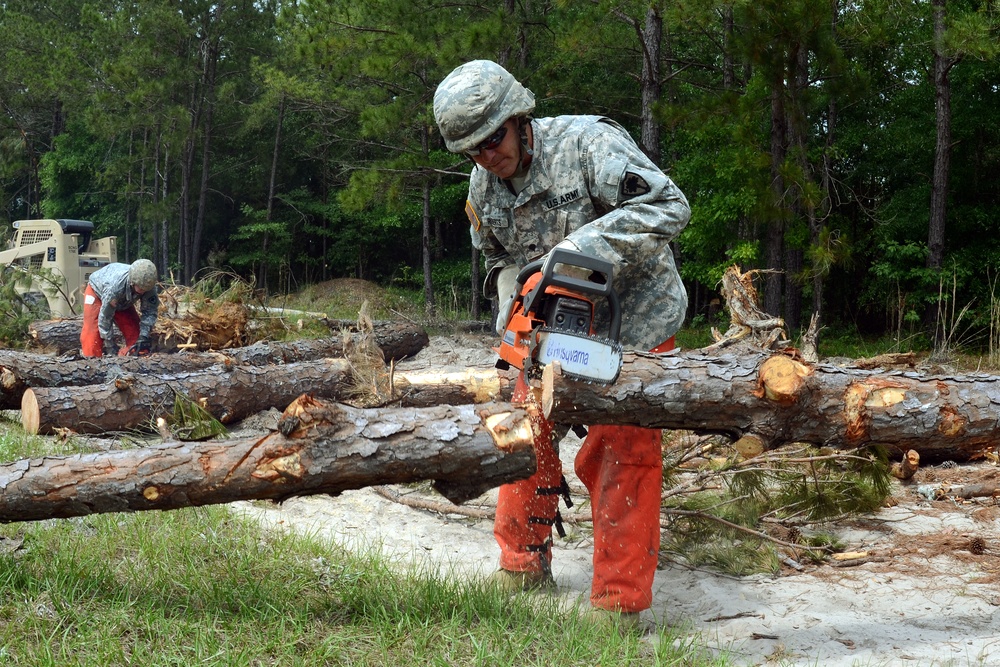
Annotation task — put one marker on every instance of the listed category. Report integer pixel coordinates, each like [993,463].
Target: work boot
[626,622]
[516,582]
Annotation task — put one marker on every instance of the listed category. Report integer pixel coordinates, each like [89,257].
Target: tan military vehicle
[58,256]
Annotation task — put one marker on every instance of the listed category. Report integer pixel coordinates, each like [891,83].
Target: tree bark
[232,393]
[396,340]
[780,401]
[319,448]
[229,394]
[20,370]
[943,63]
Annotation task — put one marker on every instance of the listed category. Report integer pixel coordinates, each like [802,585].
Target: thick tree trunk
[396,339]
[319,448]
[20,370]
[778,401]
[228,393]
[232,393]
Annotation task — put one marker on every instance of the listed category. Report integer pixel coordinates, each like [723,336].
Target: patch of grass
[200,586]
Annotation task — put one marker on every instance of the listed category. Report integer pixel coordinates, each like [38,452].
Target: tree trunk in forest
[775,241]
[425,245]
[942,153]
[319,448]
[474,308]
[164,221]
[728,61]
[778,401]
[651,40]
[395,339]
[211,66]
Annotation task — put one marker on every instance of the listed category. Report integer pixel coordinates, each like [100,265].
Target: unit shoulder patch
[473,217]
[633,185]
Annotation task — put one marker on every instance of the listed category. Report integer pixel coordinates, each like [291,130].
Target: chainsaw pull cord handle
[546,266]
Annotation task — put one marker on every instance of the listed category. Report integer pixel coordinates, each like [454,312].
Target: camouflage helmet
[142,274]
[475,100]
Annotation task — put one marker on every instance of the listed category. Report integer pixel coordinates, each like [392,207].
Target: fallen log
[397,340]
[319,448]
[133,401]
[20,370]
[232,393]
[776,400]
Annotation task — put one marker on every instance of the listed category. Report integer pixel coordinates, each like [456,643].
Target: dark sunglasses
[489,143]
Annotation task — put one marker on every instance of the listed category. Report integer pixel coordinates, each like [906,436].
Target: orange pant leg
[527,509]
[622,468]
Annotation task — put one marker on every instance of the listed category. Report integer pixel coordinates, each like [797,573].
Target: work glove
[110,347]
[143,346]
[506,291]
[572,271]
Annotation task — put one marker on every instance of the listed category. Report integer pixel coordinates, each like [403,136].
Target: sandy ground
[921,599]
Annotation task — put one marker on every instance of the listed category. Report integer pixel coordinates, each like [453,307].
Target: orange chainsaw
[552,319]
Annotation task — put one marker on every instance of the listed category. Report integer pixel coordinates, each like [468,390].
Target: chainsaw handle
[546,265]
[580,260]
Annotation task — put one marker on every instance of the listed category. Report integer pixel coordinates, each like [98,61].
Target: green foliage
[191,422]
[20,305]
[720,515]
[320,113]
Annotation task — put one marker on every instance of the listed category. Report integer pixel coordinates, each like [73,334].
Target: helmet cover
[142,274]
[474,100]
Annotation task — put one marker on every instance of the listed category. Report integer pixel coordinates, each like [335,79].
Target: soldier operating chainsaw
[110,298]
[553,189]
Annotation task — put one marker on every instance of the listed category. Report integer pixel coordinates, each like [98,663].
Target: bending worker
[582,183]
[111,294]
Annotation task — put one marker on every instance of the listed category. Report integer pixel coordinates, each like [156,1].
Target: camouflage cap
[142,274]
[474,100]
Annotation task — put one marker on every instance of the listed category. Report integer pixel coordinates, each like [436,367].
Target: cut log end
[782,379]
[30,414]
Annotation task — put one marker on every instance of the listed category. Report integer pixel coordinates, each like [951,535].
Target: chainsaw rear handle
[546,266]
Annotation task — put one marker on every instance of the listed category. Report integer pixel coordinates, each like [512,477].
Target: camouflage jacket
[591,184]
[113,288]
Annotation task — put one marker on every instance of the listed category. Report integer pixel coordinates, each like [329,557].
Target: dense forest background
[850,148]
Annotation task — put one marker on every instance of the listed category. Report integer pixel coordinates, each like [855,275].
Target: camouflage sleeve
[646,210]
[105,317]
[149,306]
[484,241]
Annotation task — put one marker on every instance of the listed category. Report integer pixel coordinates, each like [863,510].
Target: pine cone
[793,535]
[977,545]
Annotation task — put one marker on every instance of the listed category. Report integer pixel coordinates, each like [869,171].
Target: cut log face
[319,448]
[940,418]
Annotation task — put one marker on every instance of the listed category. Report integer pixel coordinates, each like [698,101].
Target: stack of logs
[458,430]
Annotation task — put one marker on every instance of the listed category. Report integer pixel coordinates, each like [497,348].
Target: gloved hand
[143,346]
[110,347]
[506,291]
[572,271]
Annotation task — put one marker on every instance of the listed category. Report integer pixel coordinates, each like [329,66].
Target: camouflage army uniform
[590,184]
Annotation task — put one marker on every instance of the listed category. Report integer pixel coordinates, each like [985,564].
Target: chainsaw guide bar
[580,357]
